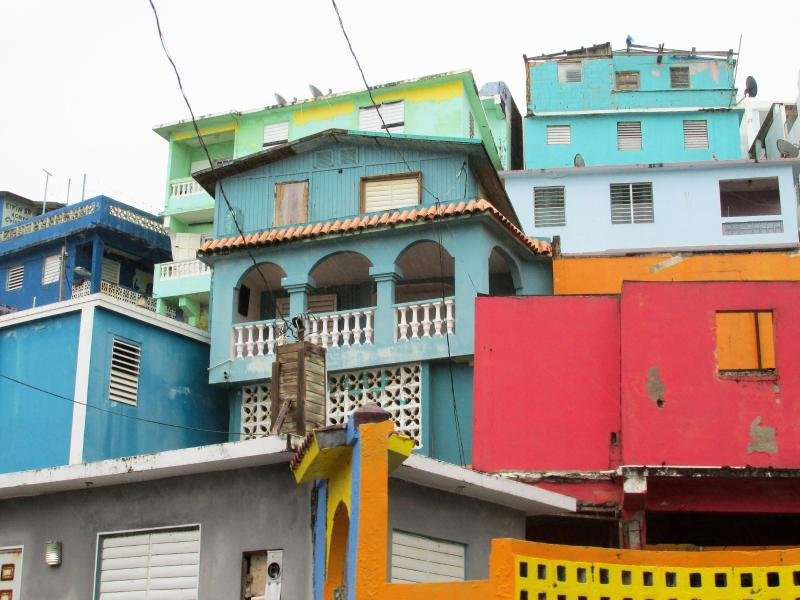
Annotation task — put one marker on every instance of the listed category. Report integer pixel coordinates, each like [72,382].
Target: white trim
[108,303]
[80,394]
[616,111]
[429,472]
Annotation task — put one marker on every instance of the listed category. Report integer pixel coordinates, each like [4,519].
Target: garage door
[417,559]
[156,565]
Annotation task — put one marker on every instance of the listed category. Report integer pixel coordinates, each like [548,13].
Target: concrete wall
[238,511]
[453,518]
[686,204]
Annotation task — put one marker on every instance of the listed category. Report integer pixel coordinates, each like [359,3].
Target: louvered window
[14,277]
[123,383]
[679,77]
[386,193]
[51,271]
[569,72]
[323,159]
[393,114]
[627,80]
[420,559]
[317,304]
[276,133]
[559,134]
[149,565]
[110,271]
[632,203]
[548,206]
[695,134]
[629,135]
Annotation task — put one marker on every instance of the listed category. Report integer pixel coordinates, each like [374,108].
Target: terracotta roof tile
[375,221]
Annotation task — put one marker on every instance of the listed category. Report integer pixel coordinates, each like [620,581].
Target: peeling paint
[763,438]
[655,387]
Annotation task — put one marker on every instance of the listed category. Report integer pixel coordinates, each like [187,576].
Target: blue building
[95,378]
[638,105]
[383,243]
[85,248]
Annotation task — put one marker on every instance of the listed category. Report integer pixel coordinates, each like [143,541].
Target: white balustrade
[341,329]
[182,268]
[434,318]
[185,187]
[120,293]
[257,339]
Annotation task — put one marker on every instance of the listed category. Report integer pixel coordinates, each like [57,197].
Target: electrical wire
[123,415]
[231,211]
[437,222]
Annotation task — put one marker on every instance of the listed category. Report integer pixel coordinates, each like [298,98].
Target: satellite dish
[579,162]
[787,149]
[750,87]
[280,100]
[315,91]
[82,273]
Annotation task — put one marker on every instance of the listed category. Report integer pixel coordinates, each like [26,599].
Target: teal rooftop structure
[597,106]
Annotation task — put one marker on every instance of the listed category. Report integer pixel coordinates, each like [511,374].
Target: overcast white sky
[83,82]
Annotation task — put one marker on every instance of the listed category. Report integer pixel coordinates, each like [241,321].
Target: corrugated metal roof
[272,237]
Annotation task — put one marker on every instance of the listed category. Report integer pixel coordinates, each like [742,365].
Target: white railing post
[437,319]
[249,340]
[357,330]
[368,327]
[346,329]
[402,327]
[271,338]
[238,344]
[450,319]
[414,321]
[426,320]
[260,340]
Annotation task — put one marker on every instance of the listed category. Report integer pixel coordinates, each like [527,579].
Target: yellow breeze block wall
[605,274]
[544,571]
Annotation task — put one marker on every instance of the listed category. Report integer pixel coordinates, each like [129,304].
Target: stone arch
[258,294]
[504,277]
[341,281]
[427,272]
[337,552]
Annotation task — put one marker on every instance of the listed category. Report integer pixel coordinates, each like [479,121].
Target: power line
[119,414]
[437,222]
[231,211]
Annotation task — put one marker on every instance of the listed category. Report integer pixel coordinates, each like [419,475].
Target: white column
[81,391]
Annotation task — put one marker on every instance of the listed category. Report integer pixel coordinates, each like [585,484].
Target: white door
[10,573]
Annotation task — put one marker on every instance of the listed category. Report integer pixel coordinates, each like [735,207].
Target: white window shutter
[276,133]
[123,382]
[15,277]
[420,559]
[393,114]
[559,134]
[389,193]
[629,135]
[695,134]
[548,207]
[51,271]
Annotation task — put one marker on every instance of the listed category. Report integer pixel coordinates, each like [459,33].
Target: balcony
[188,202]
[119,293]
[181,278]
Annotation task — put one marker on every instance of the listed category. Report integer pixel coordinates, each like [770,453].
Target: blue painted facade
[592,104]
[368,270]
[687,206]
[42,348]
[85,234]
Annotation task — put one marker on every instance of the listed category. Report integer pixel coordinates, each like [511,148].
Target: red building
[672,410]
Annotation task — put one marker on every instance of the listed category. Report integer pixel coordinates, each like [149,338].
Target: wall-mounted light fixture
[52,553]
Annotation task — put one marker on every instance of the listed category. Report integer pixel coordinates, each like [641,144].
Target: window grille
[14,277]
[629,135]
[695,134]
[679,77]
[548,206]
[559,134]
[632,203]
[123,384]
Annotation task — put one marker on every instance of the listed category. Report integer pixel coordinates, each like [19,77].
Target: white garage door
[417,559]
[157,565]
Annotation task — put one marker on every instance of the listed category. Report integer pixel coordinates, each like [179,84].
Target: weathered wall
[452,518]
[237,511]
[668,353]
[546,390]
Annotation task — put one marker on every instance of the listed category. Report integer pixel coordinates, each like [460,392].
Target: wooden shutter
[627,80]
[110,271]
[160,565]
[629,135]
[14,277]
[291,203]
[548,206]
[559,134]
[123,382]
[695,134]
[418,559]
[317,304]
[276,133]
[679,77]
[387,193]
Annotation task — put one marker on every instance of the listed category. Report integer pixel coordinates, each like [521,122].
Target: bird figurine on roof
[628,42]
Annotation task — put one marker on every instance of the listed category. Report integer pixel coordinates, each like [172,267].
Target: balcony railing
[185,187]
[119,293]
[183,268]
[432,318]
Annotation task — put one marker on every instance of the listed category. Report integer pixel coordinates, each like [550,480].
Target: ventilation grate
[14,277]
[548,207]
[123,384]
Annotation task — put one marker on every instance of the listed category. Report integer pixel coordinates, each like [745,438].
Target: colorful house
[446,105]
[382,244]
[15,208]
[675,397]
[98,245]
[640,105]
[779,123]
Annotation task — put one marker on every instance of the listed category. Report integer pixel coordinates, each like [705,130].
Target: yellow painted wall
[604,275]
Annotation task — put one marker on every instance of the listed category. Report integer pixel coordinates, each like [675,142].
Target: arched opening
[337,552]
[259,295]
[341,282]
[428,273]
[502,274]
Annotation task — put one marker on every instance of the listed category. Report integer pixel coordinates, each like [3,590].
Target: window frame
[10,274]
[631,203]
[674,76]
[374,178]
[759,370]
[627,87]
[275,202]
[563,200]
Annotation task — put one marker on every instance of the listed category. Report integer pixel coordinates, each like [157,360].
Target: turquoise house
[641,105]
[380,244]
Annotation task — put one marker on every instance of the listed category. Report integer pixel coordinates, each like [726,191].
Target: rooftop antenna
[578,161]
[83,188]
[315,91]
[280,100]
[47,176]
[787,149]
[69,183]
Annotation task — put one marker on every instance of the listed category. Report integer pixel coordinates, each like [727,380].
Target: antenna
[750,87]
[280,99]
[787,149]
[47,176]
[315,91]
[578,161]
